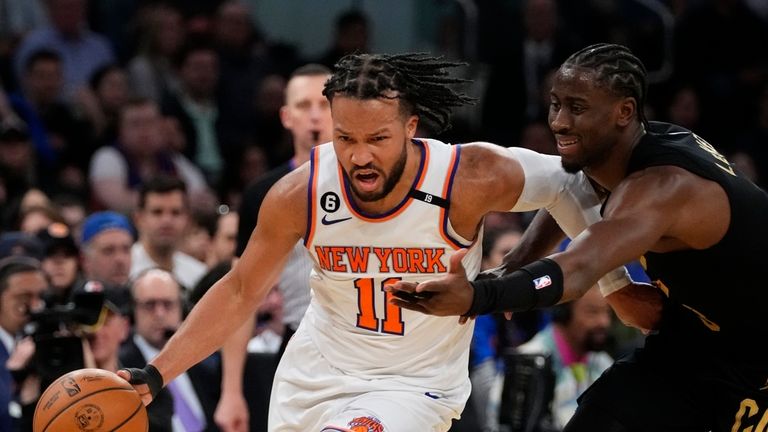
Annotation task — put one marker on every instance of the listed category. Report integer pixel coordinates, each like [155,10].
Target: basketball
[91,400]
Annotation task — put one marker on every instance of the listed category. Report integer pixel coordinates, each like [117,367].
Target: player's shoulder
[490,173]
[659,176]
[479,156]
[656,189]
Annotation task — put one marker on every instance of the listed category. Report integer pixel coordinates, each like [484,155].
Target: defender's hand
[450,295]
[147,382]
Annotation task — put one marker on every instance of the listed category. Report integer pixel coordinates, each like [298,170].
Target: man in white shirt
[161,220]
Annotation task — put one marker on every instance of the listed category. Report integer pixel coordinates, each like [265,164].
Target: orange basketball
[90,400]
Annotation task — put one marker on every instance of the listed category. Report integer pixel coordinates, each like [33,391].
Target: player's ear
[411,125]
[626,110]
[285,117]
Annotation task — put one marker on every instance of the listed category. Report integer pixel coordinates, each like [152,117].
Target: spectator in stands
[158,299]
[105,244]
[199,233]
[212,235]
[536,136]
[513,96]
[140,153]
[196,107]
[244,62]
[224,239]
[161,219]
[34,218]
[61,262]
[756,139]
[270,132]
[18,162]
[151,72]
[72,209]
[18,19]
[106,340]
[81,50]
[350,36]
[13,243]
[710,52]
[59,138]
[576,340]
[102,101]
[268,331]
[684,107]
[22,284]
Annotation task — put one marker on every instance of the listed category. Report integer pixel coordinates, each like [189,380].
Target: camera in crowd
[58,331]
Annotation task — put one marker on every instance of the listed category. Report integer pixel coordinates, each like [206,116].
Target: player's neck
[163,257]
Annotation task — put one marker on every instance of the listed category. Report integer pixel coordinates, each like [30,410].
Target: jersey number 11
[366,308]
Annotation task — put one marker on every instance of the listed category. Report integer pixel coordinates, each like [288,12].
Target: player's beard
[390,180]
[591,157]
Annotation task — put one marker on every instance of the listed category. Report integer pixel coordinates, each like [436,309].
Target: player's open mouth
[367,180]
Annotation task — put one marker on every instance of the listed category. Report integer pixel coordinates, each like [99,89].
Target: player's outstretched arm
[541,237]
[231,300]
[636,304]
[641,211]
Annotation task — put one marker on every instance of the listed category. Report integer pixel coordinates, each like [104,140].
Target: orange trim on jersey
[311,196]
[424,163]
[425,146]
[336,428]
[443,214]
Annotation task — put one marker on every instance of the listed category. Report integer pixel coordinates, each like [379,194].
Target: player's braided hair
[422,83]
[616,67]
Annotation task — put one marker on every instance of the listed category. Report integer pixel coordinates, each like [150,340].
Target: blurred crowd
[129,130]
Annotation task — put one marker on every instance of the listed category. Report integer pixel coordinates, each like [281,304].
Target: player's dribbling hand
[147,382]
[450,295]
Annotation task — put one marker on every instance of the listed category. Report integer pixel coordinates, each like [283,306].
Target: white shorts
[311,395]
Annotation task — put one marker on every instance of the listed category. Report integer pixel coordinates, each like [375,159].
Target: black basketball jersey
[724,286]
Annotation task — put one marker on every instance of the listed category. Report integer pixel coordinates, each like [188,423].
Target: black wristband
[149,376]
[537,285]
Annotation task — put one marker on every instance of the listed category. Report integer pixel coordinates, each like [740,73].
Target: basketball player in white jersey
[375,206]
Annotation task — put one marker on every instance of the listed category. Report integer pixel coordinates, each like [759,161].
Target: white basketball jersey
[356,254]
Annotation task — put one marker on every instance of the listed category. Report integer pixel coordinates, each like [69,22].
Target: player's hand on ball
[147,382]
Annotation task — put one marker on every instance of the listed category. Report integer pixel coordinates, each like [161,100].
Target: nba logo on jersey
[542,282]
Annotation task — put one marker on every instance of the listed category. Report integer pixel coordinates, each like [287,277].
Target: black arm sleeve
[537,285]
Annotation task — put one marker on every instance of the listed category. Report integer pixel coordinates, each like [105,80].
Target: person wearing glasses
[188,402]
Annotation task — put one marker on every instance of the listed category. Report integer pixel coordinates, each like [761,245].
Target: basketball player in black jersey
[698,227]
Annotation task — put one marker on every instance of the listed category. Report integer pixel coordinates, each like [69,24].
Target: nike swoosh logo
[431,395]
[326,221]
